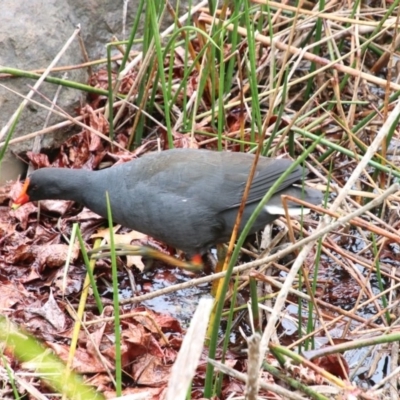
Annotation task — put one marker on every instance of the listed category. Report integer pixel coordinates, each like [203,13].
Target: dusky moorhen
[186,198]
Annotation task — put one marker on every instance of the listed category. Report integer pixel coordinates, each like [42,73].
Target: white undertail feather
[275,210]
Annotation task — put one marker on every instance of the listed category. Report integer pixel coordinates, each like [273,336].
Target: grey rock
[31,35]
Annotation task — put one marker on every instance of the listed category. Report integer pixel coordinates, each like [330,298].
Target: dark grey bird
[186,198]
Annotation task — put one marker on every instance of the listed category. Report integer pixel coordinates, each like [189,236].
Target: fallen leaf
[38,160]
[56,206]
[126,238]
[11,294]
[51,312]
[53,255]
[22,214]
[150,371]
[335,364]
[82,363]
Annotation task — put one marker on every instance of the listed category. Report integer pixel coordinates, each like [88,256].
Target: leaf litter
[32,252]
[35,251]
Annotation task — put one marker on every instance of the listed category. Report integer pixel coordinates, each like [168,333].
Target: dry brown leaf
[149,392]
[126,238]
[6,227]
[332,364]
[22,214]
[11,294]
[39,160]
[51,312]
[141,342]
[84,215]
[56,206]
[83,362]
[150,371]
[53,255]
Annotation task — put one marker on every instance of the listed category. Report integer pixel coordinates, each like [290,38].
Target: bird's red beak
[23,197]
